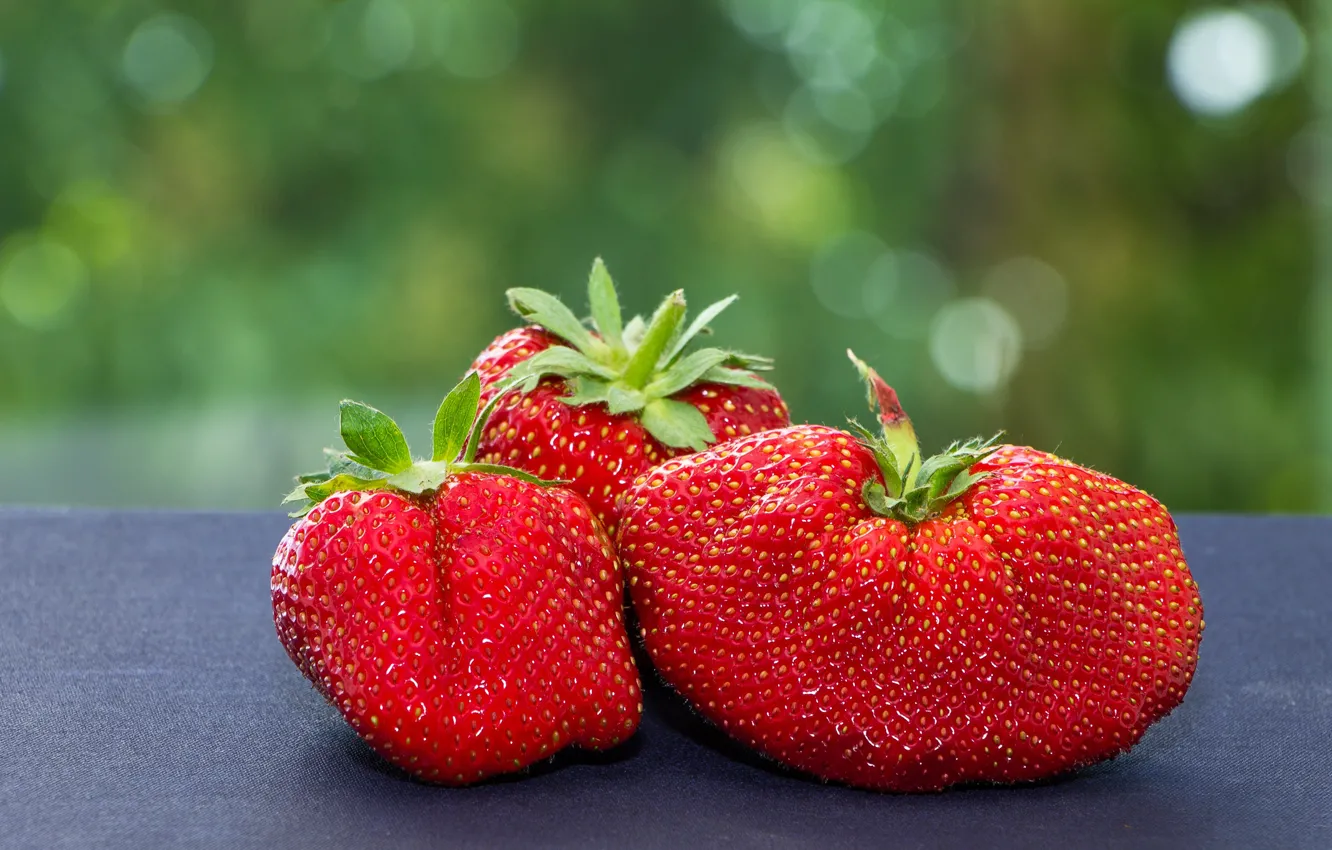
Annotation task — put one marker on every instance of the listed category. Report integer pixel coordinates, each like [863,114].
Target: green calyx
[633,367]
[378,458]
[912,489]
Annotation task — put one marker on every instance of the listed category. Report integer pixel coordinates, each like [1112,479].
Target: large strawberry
[597,407]
[994,613]
[466,619]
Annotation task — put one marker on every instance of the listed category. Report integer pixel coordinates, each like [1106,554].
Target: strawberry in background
[993,613]
[597,406]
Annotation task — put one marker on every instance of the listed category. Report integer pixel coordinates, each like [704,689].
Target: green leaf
[316,493]
[559,360]
[877,499]
[735,378]
[420,477]
[605,305]
[496,469]
[478,426]
[313,477]
[709,313]
[940,464]
[453,421]
[546,310]
[677,424]
[883,456]
[341,463]
[685,372]
[375,439]
[634,331]
[960,485]
[648,357]
[585,390]
[621,399]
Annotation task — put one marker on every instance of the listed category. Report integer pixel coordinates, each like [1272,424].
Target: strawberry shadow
[665,705]
[361,755]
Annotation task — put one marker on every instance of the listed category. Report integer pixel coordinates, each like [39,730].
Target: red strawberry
[599,407]
[466,619]
[992,614]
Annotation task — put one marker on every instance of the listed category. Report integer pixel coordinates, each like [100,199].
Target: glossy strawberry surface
[463,633]
[598,452]
[1039,623]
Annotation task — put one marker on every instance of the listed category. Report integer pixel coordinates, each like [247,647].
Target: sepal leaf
[686,371]
[560,361]
[696,327]
[374,438]
[313,494]
[676,424]
[549,312]
[634,331]
[735,377]
[585,390]
[454,419]
[920,487]
[341,463]
[877,498]
[605,305]
[620,399]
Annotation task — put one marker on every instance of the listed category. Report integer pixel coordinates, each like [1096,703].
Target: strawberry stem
[913,489]
[898,432]
[632,367]
[661,330]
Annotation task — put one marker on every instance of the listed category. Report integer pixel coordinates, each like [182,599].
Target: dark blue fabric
[145,702]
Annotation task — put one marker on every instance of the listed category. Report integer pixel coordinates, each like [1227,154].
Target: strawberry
[992,614]
[599,407]
[465,619]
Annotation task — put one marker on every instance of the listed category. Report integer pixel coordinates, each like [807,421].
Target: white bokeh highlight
[1221,60]
[975,344]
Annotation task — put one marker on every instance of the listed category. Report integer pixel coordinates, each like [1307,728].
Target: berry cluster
[831,598]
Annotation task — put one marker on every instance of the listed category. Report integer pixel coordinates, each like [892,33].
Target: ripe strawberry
[466,619]
[599,407]
[992,614]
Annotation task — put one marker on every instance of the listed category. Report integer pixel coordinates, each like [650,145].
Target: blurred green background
[1102,226]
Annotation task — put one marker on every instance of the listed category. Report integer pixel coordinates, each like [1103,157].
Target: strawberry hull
[462,633]
[599,453]
[1039,623]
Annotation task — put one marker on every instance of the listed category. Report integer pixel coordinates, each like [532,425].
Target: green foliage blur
[218,219]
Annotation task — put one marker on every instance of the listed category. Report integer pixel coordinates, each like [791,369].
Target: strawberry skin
[466,619]
[599,452]
[1037,622]
[463,636]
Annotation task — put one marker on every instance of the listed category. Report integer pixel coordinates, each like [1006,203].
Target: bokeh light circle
[975,344]
[831,43]
[839,270]
[1219,61]
[166,59]
[40,279]
[1034,293]
[1289,44]
[475,40]
[903,292]
[828,127]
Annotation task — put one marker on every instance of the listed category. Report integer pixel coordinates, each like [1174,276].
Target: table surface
[145,701]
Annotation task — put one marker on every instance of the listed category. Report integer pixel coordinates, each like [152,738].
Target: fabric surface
[145,702]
